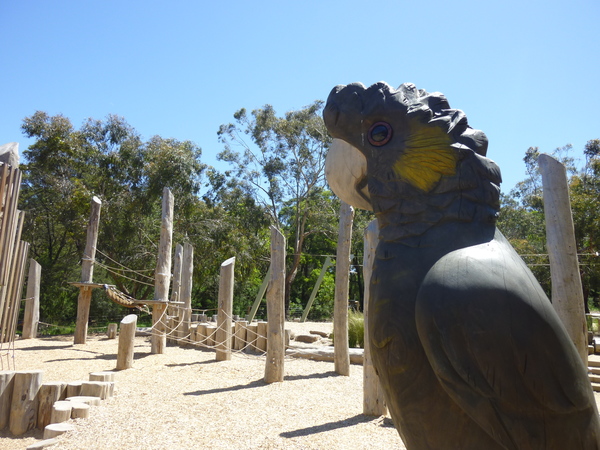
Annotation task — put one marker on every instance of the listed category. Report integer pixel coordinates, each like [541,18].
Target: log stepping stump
[80,410]
[43,444]
[61,412]
[56,429]
[92,401]
[48,394]
[24,404]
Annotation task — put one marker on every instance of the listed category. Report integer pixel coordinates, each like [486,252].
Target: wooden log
[373,397]
[251,337]
[211,334]
[80,410]
[342,278]
[73,388]
[162,275]
[32,303]
[288,334]
[176,289]
[48,394]
[14,286]
[172,325]
[102,376]
[107,377]
[202,318]
[201,333]
[61,411]
[126,342]
[187,269]
[274,367]
[174,310]
[111,331]
[224,320]
[261,338]
[9,237]
[95,389]
[92,401]
[6,391]
[193,330]
[87,274]
[42,444]
[56,429]
[567,291]
[24,405]
[239,336]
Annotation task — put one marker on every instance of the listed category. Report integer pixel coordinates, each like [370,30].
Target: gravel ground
[184,398]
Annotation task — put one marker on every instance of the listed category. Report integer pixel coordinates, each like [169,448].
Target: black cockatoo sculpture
[468,348]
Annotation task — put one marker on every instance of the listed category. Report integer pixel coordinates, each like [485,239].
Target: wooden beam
[32,302]
[567,292]
[342,279]
[162,276]
[373,397]
[224,319]
[87,273]
[274,368]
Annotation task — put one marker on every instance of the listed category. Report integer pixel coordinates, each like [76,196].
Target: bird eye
[380,134]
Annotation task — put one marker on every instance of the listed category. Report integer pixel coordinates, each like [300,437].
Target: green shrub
[356,329]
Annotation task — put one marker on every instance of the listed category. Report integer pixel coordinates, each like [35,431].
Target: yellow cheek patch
[427,157]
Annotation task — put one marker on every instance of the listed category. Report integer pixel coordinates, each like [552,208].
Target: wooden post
[175,310]
[10,232]
[162,275]
[252,337]
[6,391]
[15,287]
[567,292]
[111,331]
[342,279]
[24,406]
[373,397]
[73,389]
[276,310]
[47,395]
[225,310]
[87,274]
[126,342]
[187,270]
[261,339]
[177,261]
[32,303]
[239,340]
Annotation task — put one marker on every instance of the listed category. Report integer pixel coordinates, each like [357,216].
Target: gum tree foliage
[65,167]
[280,162]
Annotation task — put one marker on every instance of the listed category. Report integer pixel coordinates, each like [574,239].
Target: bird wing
[497,346]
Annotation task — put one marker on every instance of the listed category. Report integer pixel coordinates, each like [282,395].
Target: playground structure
[228,334]
[13,251]
[173,319]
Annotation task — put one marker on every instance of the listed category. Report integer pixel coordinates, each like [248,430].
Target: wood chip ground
[185,399]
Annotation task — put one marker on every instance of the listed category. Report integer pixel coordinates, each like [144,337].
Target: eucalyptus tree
[280,161]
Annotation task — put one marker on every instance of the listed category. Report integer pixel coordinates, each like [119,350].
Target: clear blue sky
[526,72]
